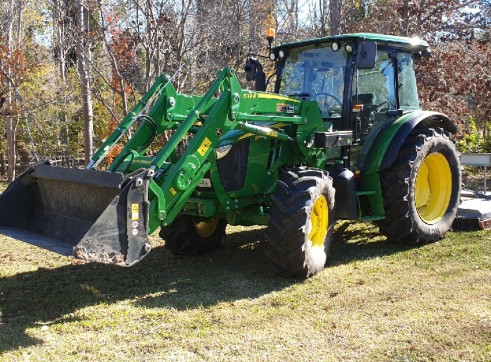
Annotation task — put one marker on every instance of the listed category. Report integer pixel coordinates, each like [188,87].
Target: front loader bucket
[93,215]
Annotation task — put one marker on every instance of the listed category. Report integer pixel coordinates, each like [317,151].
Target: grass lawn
[376,301]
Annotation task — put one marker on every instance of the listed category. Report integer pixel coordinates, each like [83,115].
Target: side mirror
[366,55]
[249,70]
[254,72]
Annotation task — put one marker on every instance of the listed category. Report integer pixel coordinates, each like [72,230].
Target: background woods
[70,70]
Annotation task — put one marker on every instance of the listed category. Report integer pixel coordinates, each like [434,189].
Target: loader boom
[234,109]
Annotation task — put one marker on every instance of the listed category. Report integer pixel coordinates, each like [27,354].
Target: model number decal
[205,145]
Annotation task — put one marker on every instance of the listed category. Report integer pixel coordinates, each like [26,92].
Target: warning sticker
[204,146]
[172,191]
[281,108]
[285,108]
[135,211]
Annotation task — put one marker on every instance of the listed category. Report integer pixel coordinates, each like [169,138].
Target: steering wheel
[379,106]
[326,96]
[324,106]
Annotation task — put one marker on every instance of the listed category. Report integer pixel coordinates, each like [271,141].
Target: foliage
[14,70]
[455,80]
[474,140]
[459,82]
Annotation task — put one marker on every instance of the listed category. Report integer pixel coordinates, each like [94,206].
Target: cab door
[373,96]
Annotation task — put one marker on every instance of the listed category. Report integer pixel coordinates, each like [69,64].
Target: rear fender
[384,151]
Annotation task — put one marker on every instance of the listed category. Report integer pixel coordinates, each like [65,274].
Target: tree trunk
[59,17]
[12,154]
[83,61]
[335,7]
[61,44]
[11,124]
[323,17]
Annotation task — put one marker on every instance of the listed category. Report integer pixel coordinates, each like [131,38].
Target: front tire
[188,235]
[421,189]
[301,222]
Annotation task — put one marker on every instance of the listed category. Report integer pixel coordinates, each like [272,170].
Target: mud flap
[96,215]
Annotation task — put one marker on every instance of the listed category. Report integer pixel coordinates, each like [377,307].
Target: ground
[376,301]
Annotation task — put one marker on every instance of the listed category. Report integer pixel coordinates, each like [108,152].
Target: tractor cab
[360,81]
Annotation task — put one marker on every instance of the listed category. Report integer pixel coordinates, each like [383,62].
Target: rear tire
[190,236]
[301,222]
[421,189]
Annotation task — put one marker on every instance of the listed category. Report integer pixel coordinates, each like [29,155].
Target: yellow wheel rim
[319,219]
[433,188]
[206,229]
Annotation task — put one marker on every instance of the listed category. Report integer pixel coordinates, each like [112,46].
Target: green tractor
[341,137]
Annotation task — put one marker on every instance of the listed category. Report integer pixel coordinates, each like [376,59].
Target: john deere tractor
[341,137]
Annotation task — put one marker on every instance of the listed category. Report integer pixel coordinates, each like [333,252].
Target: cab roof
[399,42]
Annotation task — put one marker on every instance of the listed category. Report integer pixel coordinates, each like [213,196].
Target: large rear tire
[421,189]
[190,236]
[301,222]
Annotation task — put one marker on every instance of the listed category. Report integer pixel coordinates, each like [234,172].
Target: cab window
[408,91]
[376,87]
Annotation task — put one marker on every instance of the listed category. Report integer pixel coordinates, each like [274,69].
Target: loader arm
[209,118]
[233,109]
[128,121]
[174,183]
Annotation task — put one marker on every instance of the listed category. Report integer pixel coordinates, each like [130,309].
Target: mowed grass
[375,301]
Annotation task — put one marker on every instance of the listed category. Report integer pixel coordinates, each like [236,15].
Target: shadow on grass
[360,241]
[240,269]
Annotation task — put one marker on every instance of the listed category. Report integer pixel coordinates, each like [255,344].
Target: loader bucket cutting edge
[94,215]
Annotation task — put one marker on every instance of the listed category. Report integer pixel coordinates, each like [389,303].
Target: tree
[83,61]
[115,48]
[12,69]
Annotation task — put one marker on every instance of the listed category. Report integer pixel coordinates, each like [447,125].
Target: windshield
[316,74]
